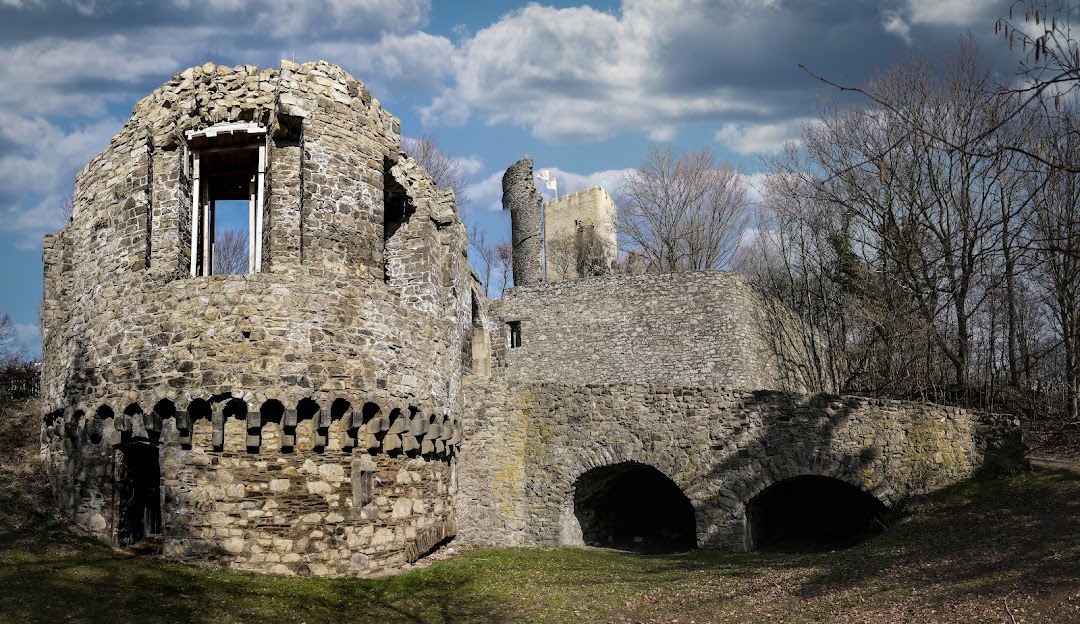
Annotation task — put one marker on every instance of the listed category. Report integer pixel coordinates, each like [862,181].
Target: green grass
[997,550]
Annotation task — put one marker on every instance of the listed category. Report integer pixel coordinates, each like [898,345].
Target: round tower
[523,201]
[295,411]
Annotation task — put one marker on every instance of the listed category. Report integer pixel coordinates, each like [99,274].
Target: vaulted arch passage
[811,513]
[632,506]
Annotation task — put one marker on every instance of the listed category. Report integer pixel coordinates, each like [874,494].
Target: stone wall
[343,356]
[304,499]
[526,445]
[705,328]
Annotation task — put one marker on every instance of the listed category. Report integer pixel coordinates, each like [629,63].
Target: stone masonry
[528,446]
[631,328]
[521,198]
[352,400]
[303,418]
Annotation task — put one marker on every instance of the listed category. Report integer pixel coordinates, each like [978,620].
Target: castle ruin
[351,400]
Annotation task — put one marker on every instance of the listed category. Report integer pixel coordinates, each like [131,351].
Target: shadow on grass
[983,537]
[75,580]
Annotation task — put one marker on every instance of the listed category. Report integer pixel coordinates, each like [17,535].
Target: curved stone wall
[304,415]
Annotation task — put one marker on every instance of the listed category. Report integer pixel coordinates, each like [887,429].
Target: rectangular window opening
[514,329]
[228,167]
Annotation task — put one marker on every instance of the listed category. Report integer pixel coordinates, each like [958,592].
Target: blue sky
[583,89]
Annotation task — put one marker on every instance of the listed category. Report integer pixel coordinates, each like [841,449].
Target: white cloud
[39,76]
[469,165]
[94,8]
[289,18]
[893,23]
[28,337]
[32,179]
[755,182]
[576,74]
[760,137]
[953,12]
[570,182]
[417,63]
[486,194]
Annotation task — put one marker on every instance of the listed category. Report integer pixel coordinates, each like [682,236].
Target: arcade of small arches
[370,427]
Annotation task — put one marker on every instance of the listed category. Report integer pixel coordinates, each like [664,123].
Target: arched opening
[272,411]
[812,513]
[632,506]
[138,490]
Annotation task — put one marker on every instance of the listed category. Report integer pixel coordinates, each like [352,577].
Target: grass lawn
[1001,550]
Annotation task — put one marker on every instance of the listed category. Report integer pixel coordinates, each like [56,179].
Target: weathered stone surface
[244,386]
[523,201]
[527,444]
[701,328]
[355,401]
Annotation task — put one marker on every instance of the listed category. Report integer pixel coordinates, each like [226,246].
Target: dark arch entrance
[632,506]
[812,513]
[138,490]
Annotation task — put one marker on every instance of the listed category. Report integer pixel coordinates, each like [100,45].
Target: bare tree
[929,218]
[681,212]
[582,254]
[66,204]
[445,170]
[10,353]
[230,252]
[490,256]
[1055,261]
[504,254]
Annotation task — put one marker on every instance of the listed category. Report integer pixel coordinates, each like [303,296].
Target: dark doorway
[632,506]
[138,488]
[813,513]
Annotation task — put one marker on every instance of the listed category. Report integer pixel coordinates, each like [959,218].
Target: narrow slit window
[228,171]
[514,329]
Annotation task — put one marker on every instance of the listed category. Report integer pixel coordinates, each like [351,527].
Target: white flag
[543,174]
[551,184]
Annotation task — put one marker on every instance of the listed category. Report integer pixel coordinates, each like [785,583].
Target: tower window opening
[228,170]
[514,329]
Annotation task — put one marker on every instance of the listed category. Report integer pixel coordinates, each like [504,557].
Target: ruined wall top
[362,273]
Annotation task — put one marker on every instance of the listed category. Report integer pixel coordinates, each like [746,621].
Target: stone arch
[737,495]
[132,424]
[812,512]
[367,433]
[165,408]
[104,412]
[337,436]
[272,411]
[198,409]
[94,427]
[226,407]
[391,440]
[309,418]
[632,506]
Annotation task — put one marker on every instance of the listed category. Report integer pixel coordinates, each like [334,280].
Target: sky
[581,88]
